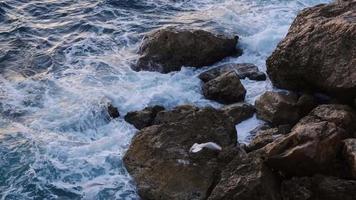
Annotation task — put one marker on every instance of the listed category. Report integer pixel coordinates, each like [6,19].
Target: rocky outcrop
[246,177]
[262,138]
[349,154]
[318,188]
[243,70]
[280,108]
[319,52]
[170,48]
[314,144]
[113,111]
[143,118]
[161,159]
[225,88]
[238,112]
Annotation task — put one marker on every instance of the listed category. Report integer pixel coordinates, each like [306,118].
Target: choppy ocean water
[62,60]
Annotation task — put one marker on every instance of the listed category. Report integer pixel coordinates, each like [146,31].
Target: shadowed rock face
[143,118]
[319,52]
[169,49]
[349,154]
[160,161]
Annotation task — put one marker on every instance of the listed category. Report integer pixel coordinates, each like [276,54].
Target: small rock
[262,138]
[239,112]
[277,108]
[169,49]
[143,118]
[225,89]
[349,154]
[113,111]
[243,70]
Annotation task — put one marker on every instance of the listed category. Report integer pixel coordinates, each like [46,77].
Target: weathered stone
[314,143]
[225,89]
[113,111]
[318,188]
[247,178]
[319,52]
[160,161]
[349,154]
[243,70]
[143,118]
[170,48]
[238,112]
[262,138]
[278,108]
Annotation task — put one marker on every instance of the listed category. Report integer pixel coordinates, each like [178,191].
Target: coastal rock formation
[247,178]
[314,143]
[349,154]
[143,118]
[225,88]
[238,112]
[170,48]
[262,138]
[243,70]
[318,188]
[113,111]
[162,163]
[319,52]
[280,108]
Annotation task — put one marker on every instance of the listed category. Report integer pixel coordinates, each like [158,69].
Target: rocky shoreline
[306,150]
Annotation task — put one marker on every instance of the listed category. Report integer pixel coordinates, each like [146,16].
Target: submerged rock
[225,88]
[143,118]
[314,144]
[243,70]
[318,188]
[170,48]
[160,161]
[113,111]
[319,52]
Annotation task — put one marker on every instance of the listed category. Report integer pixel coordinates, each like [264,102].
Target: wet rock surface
[160,161]
[143,118]
[319,52]
[349,153]
[243,70]
[262,138]
[225,89]
[239,111]
[169,49]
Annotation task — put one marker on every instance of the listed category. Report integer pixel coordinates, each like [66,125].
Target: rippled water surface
[61,61]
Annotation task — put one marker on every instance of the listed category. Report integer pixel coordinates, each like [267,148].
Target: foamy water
[62,61]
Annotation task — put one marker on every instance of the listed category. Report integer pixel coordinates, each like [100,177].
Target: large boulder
[319,52]
[349,153]
[318,188]
[179,158]
[262,138]
[170,48]
[246,177]
[243,70]
[238,112]
[226,88]
[314,144]
[280,108]
[143,118]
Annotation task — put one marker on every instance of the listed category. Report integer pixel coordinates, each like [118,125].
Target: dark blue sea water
[61,61]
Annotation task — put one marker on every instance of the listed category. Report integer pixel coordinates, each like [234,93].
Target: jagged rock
[262,138]
[176,114]
[170,48]
[318,188]
[349,153]
[225,88]
[159,159]
[280,108]
[243,70]
[246,177]
[143,118]
[314,143]
[238,112]
[113,111]
[319,52]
